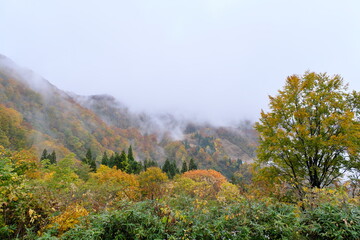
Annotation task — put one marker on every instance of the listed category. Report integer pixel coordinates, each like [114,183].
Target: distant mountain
[36,114]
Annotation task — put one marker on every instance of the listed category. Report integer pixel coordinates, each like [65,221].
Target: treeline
[49,156]
[126,162]
[31,119]
[171,169]
[122,161]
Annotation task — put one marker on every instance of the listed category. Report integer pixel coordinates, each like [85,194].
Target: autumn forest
[76,167]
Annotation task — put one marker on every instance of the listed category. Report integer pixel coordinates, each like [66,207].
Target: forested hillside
[66,122]
[86,167]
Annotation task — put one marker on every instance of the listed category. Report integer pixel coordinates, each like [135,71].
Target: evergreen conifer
[192,165]
[105,159]
[184,167]
[52,157]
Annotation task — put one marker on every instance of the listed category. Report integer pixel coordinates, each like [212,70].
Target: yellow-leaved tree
[311,133]
[152,183]
[109,184]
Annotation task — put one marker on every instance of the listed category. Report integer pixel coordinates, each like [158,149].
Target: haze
[215,60]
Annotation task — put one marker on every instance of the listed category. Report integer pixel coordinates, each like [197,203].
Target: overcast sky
[213,59]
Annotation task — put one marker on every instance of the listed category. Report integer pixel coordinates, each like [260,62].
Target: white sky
[213,59]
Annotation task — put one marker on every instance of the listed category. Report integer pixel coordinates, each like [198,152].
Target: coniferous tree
[192,165]
[111,162]
[130,155]
[93,165]
[88,155]
[149,163]
[44,155]
[105,159]
[90,160]
[134,166]
[184,167]
[52,157]
[166,167]
[123,163]
[170,168]
[116,160]
[173,169]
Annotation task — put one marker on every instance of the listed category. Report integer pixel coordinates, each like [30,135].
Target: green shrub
[332,222]
[136,221]
[208,220]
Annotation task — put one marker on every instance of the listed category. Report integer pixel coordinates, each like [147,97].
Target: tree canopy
[311,133]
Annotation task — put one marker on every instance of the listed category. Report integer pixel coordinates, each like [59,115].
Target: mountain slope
[66,123]
[56,116]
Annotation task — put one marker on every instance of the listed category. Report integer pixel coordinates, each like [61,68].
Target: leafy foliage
[68,219]
[13,134]
[152,183]
[119,198]
[48,201]
[52,119]
[310,134]
[331,222]
[110,184]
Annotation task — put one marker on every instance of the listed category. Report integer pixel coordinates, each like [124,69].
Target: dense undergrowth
[66,200]
[242,220]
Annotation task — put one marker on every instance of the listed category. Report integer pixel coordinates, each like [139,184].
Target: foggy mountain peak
[103,123]
[26,76]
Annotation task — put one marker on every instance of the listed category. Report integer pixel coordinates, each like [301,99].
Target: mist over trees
[67,174]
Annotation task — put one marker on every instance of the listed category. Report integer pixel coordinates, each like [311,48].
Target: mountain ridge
[69,123]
